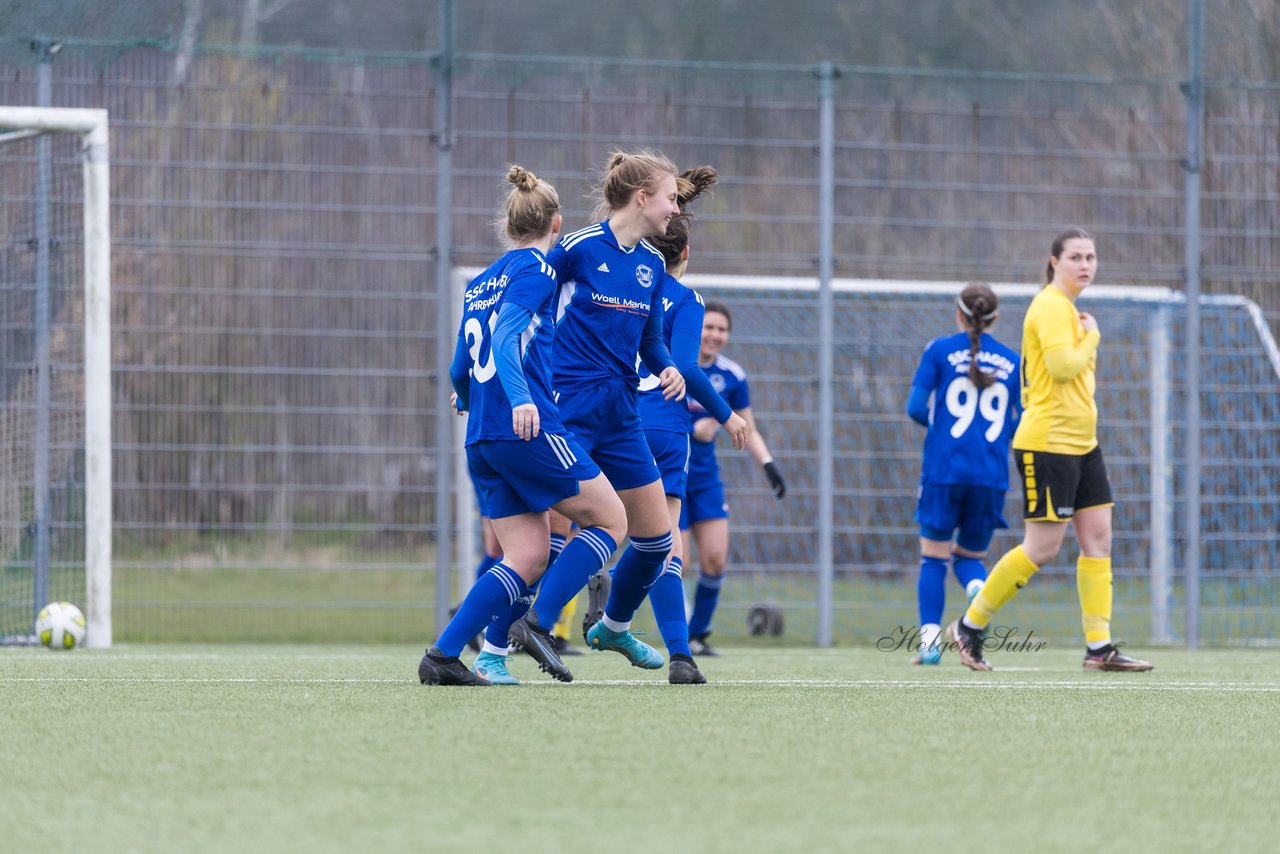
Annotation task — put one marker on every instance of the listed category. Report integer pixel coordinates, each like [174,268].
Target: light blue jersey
[522,277]
[607,295]
[969,429]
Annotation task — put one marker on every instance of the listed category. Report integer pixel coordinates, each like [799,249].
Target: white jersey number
[476,334]
[964,401]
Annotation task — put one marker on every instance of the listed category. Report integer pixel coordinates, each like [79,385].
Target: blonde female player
[667,422]
[609,309]
[1064,478]
[519,454]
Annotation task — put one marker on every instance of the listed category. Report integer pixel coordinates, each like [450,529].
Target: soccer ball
[60,625]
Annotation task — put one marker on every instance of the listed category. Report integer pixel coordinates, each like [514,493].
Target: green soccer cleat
[639,653]
[493,668]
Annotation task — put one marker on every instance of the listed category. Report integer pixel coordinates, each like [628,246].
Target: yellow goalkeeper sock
[1007,577]
[561,628]
[1093,580]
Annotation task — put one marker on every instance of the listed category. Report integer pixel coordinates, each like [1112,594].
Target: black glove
[775,479]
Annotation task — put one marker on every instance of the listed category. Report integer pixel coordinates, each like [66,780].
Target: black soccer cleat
[541,646]
[436,668]
[699,646]
[683,671]
[597,597]
[969,644]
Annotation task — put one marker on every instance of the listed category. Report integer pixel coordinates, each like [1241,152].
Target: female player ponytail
[690,184]
[980,307]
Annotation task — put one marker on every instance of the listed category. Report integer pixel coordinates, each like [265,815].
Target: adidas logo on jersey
[603,268]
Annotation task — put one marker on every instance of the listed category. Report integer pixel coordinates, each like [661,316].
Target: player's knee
[612,520]
[1040,554]
[713,564]
[1096,543]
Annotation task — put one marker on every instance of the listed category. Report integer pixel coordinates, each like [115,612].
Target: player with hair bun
[609,309]
[520,455]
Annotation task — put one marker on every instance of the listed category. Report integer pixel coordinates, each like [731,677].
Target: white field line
[1134,682]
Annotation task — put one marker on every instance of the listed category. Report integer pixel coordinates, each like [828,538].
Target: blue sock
[491,595]
[969,568]
[705,596]
[667,599]
[637,570]
[931,590]
[496,633]
[580,560]
[485,562]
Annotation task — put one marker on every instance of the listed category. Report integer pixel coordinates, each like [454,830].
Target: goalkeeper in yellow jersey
[1056,453]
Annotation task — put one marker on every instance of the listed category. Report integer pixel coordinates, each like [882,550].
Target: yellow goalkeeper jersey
[1059,412]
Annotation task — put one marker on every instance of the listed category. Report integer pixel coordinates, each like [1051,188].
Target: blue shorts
[975,510]
[671,453]
[704,500]
[605,422]
[527,477]
[475,488]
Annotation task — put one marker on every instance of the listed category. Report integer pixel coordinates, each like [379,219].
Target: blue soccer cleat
[493,668]
[639,653]
[932,655]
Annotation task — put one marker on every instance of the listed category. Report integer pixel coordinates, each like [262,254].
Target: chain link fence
[275,194]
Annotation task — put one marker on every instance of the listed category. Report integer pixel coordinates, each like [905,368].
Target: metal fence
[275,264]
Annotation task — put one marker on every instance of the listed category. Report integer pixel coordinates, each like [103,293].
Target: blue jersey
[522,277]
[607,294]
[682,313]
[728,378]
[969,429]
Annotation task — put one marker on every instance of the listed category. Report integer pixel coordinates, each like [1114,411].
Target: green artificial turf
[325,748]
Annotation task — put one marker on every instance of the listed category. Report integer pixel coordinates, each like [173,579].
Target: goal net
[881,328]
[55,472]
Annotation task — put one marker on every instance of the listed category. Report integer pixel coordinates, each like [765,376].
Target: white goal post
[91,125]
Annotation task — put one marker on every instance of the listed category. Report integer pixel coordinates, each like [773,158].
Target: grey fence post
[1194,91]
[444,350]
[826,348]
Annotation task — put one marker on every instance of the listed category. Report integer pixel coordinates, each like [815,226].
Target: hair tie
[968,312]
